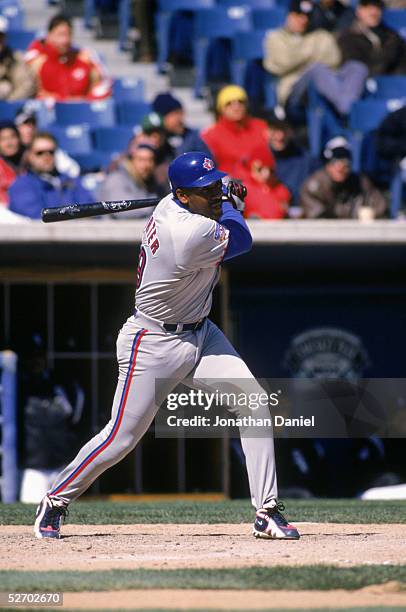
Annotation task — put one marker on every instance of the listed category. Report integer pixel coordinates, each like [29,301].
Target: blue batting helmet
[194,169]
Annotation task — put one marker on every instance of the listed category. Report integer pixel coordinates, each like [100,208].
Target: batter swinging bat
[95,209]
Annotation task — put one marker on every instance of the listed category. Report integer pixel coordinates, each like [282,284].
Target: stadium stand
[13,13]
[214,30]
[19,40]
[168,10]
[112,140]
[94,114]
[128,90]
[74,139]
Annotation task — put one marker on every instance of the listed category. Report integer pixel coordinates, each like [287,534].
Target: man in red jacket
[64,72]
[235,134]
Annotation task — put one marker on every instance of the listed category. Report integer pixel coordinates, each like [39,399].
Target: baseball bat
[93,209]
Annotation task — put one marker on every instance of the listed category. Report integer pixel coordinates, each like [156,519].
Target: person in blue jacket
[43,186]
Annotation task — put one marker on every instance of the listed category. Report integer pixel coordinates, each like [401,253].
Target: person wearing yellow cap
[235,134]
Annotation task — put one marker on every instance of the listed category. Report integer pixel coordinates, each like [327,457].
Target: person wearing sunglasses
[43,186]
[235,134]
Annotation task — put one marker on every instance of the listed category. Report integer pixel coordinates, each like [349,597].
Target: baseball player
[169,338]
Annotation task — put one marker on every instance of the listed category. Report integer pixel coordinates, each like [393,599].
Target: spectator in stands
[266,197]
[63,71]
[17,80]
[235,134]
[152,132]
[369,41]
[173,117]
[49,411]
[133,179]
[335,192]
[293,163]
[300,58]
[11,152]
[330,15]
[26,123]
[144,13]
[43,186]
[391,136]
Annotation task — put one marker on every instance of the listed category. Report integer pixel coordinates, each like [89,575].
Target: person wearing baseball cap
[299,58]
[335,191]
[26,123]
[369,41]
[331,15]
[235,133]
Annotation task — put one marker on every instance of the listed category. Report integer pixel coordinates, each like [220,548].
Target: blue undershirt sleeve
[240,239]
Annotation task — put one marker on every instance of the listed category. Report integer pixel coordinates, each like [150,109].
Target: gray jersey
[179,264]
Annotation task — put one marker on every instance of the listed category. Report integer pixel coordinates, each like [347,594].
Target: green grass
[236,511]
[312,577]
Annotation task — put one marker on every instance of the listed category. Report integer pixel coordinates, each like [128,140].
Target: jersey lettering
[151,237]
[142,260]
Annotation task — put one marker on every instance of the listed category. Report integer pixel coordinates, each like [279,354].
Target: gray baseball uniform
[179,265]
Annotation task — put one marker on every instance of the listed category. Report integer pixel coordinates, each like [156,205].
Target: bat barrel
[93,209]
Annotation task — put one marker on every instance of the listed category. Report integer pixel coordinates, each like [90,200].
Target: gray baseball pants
[146,352]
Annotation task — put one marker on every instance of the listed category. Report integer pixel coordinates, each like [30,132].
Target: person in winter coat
[369,41]
[266,197]
[17,80]
[300,58]
[335,192]
[64,72]
[11,152]
[43,186]
[235,133]
[26,123]
[133,180]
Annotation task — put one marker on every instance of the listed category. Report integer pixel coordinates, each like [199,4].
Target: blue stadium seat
[128,89]
[247,70]
[112,140]
[396,19]
[269,19]
[93,114]
[323,122]
[211,26]
[8,109]
[365,117]
[132,113]
[20,39]
[12,11]
[74,139]
[91,162]
[167,10]
[386,87]
[266,4]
